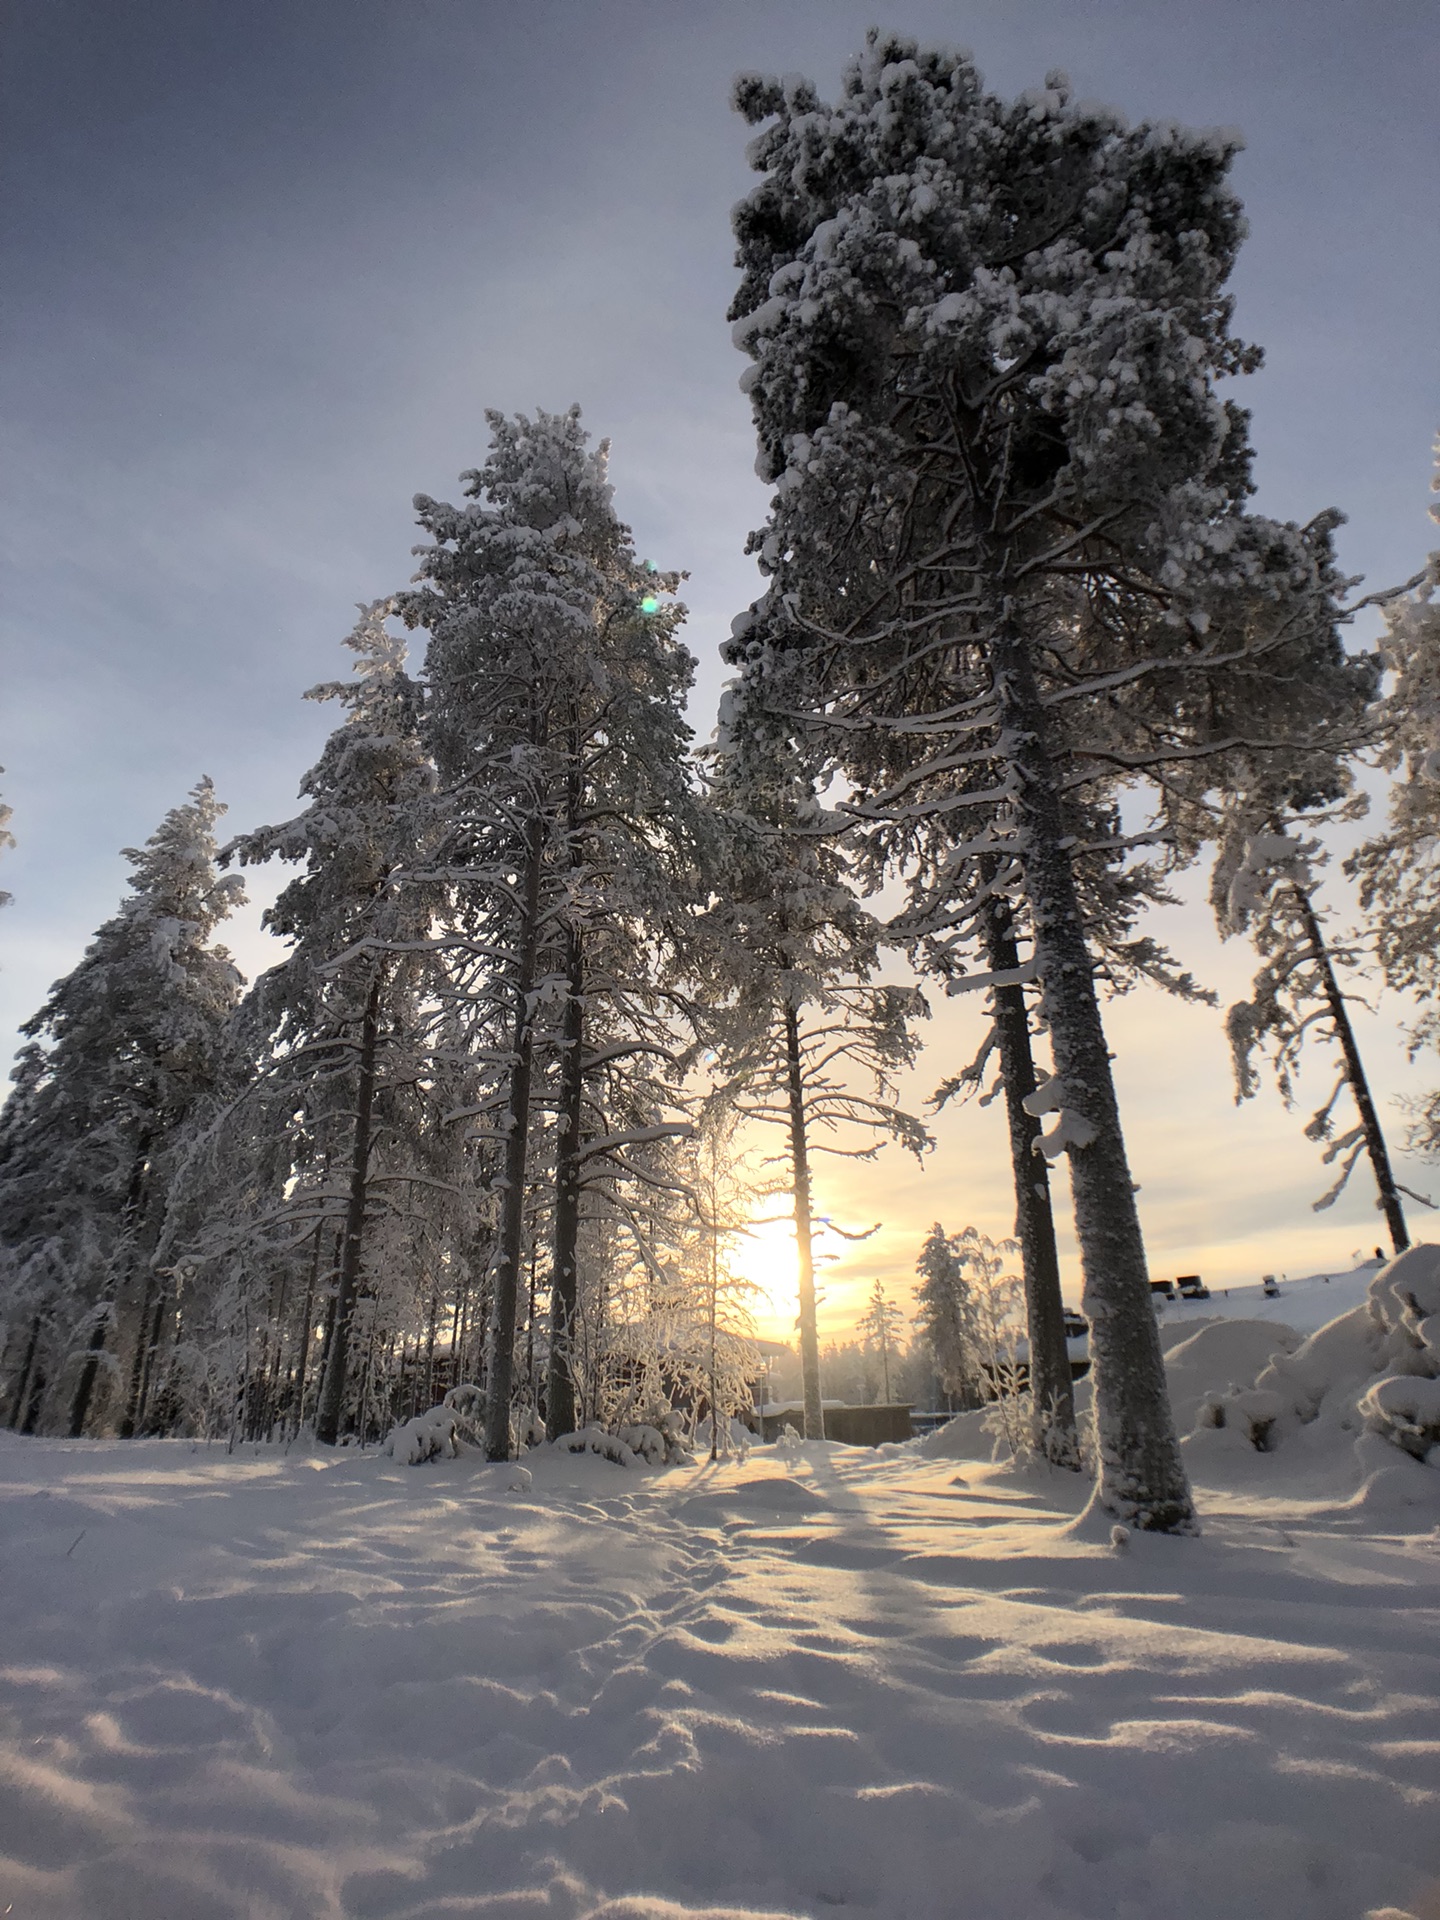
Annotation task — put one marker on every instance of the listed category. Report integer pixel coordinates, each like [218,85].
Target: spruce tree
[879,1327]
[946,1312]
[120,1054]
[555,687]
[341,1103]
[1397,870]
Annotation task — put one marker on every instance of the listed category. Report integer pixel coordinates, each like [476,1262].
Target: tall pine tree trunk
[1355,1074]
[152,1303]
[510,1250]
[27,1369]
[1142,1474]
[1052,1394]
[804,1231]
[104,1307]
[564,1280]
[332,1389]
[152,1350]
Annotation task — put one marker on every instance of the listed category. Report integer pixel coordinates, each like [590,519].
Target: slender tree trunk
[564,1280]
[27,1366]
[273,1360]
[152,1349]
[307,1333]
[104,1308]
[1052,1393]
[509,1253]
[137,1362]
[432,1322]
[31,1417]
[90,1367]
[1355,1074]
[804,1231]
[332,1389]
[1142,1473]
[714,1237]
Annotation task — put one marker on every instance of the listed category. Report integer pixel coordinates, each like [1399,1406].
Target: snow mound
[1224,1354]
[426,1437]
[963,1438]
[1406,1410]
[770,1493]
[1361,1392]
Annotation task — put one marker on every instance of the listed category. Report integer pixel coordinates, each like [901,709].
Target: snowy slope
[837,1680]
[1305,1304]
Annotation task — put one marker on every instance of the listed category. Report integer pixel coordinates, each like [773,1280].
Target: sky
[267,262]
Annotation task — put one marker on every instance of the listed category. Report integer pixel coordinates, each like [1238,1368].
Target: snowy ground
[1304,1304]
[889,1684]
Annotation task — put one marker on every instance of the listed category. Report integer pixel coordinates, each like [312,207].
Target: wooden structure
[855,1426]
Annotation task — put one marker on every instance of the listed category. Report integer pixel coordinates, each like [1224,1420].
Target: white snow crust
[823,1679]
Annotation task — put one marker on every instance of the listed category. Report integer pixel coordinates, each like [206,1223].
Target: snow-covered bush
[596,1440]
[1370,1375]
[1250,1410]
[660,1445]
[1406,1410]
[425,1437]
[660,1442]
[1405,1296]
[467,1402]
[735,1439]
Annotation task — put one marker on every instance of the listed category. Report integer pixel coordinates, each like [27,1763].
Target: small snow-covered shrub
[424,1438]
[596,1440]
[736,1439]
[1208,1367]
[1405,1409]
[467,1402]
[1368,1376]
[1249,1410]
[657,1446]
[1405,1300]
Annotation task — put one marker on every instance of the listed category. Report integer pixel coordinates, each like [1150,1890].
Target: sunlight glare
[766,1256]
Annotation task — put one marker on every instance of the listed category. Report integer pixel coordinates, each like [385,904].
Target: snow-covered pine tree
[803,1027]
[556,684]
[986,336]
[122,1050]
[1398,870]
[725,1295]
[946,1314]
[338,1120]
[1265,886]
[880,1327]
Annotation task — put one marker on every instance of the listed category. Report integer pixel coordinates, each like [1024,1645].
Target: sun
[766,1257]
